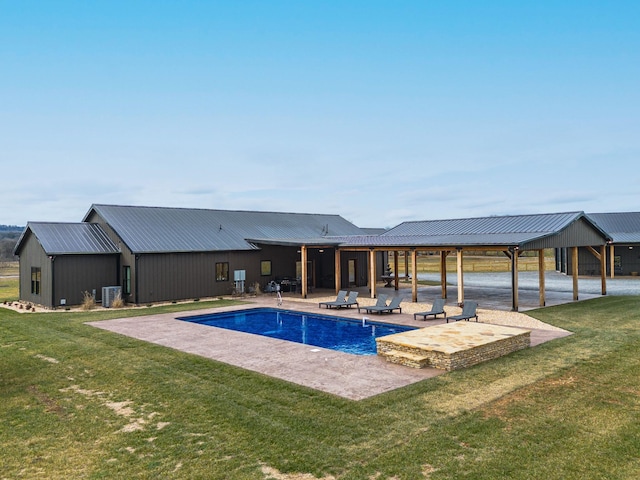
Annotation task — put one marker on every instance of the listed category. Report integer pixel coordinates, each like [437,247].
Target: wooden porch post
[541,271]
[338,273]
[460,277]
[414,275]
[372,272]
[515,254]
[303,269]
[406,263]
[574,271]
[443,272]
[603,268]
[396,280]
[602,258]
[612,260]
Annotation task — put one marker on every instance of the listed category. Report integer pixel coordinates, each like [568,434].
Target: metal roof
[164,229]
[70,238]
[623,227]
[514,230]
[488,240]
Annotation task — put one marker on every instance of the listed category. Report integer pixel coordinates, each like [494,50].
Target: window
[36,277]
[265,267]
[126,280]
[222,272]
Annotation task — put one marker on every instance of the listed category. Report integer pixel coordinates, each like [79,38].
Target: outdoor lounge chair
[350,301]
[468,312]
[380,302]
[340,298]
[393,305]
[436,309]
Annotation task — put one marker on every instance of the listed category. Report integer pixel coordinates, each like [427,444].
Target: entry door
[353,269]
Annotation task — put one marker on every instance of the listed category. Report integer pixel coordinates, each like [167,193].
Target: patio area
[348,376]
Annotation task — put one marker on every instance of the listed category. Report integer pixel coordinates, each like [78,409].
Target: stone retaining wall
[416,357]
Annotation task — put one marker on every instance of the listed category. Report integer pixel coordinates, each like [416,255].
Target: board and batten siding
[33,255]
[579,234]
[181,276]
[76,274]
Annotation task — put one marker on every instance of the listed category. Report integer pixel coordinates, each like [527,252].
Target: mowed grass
[79,402]
[9,285]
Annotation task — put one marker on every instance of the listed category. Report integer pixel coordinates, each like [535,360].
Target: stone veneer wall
[460,359]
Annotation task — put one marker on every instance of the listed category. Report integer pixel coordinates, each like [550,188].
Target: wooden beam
[514,279]
[459,271]
[443,272]
[593,251]
[414,276]
[612,260]
[303,269]
[574,271]
[603,268]
[396,280]
[406,263]
[541,271]
[372,272]
[338,272]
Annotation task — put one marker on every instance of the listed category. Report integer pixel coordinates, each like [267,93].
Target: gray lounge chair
[436,309]
[468,312]
[340,299]
[393,305]
[350,301]
[380,302]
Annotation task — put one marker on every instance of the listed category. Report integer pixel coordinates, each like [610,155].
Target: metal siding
[629,259]
[33,255]
[75,274]
[181,276]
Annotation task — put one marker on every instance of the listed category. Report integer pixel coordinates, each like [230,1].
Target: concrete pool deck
[349,376]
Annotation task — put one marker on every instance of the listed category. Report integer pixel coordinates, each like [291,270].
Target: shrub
[88,301]
[118,302]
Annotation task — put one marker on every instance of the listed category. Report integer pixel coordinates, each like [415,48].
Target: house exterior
[624,247]
[61,261]
[511,234]
[159,254]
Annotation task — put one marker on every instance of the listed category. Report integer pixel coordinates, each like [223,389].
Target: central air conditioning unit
[109,294]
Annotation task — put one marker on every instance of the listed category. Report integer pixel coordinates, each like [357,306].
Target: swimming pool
[335,333]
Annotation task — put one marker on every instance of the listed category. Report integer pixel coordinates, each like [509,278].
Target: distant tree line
[9,235]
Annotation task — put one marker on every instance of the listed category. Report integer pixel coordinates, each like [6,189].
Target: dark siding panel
[33,255]
[578,234]
[182,276]
[75,274]
[629,261]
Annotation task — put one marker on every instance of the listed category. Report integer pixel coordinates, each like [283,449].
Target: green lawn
[79,402]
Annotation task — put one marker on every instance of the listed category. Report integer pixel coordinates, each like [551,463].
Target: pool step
[407,359]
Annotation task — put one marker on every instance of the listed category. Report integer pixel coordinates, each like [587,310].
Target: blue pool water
[335,333]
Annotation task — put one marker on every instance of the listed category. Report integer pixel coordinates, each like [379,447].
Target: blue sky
[379,111]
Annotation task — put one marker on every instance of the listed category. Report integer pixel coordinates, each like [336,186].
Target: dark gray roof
[623,227]
[433,240]
[515,230]
[69,238]
[373,230]
[162,229]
